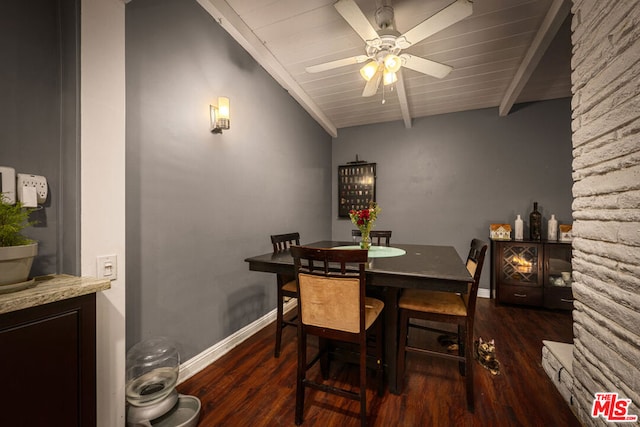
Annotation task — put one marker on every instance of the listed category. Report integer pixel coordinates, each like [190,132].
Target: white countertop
[51,288]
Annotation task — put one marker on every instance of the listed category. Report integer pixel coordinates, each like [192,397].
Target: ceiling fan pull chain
[383,100]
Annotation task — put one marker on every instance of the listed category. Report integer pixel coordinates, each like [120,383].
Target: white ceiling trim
[547,31]
[238,29]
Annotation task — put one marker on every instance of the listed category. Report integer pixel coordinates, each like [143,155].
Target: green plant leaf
[13,219]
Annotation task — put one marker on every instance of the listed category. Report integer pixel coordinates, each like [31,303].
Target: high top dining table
[437,268]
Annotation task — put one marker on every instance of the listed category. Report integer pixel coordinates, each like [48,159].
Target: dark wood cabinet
[48,361]
[531,273]
[557,291]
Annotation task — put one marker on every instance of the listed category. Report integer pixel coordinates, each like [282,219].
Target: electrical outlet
[37,181]
[107,267]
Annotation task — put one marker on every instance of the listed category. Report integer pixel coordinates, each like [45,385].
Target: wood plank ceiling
[506,52]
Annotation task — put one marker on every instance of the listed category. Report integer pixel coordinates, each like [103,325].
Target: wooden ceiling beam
[238,29]
[553,20]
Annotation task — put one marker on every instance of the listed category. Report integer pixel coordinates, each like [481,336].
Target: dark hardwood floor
[249,387]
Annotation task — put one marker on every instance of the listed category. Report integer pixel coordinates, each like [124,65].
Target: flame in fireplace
[522,264]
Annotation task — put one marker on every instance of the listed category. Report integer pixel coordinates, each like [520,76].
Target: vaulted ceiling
[505,52]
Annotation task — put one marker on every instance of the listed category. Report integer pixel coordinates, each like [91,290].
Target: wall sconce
[220,115]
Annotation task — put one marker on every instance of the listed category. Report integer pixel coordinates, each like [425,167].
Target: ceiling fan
[383,47]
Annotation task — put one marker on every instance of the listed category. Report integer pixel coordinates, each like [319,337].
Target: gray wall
[198,204]
[448,177]
[38,119]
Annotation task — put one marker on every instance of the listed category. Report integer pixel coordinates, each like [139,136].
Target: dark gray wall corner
[38,119]
[198,204]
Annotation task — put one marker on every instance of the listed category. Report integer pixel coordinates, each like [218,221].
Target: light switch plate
[107,267]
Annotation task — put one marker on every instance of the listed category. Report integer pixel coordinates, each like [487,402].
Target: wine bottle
[552,228]
[519,228]
[535,223]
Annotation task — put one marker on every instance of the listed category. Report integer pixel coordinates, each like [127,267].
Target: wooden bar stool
[333,306]
[444,307]
[286,286]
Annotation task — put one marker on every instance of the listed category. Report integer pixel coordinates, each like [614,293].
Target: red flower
[364,218]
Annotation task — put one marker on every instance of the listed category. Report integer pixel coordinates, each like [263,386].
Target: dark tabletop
[423,266]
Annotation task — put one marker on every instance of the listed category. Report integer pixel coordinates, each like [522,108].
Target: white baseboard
[216,351]
[484,293]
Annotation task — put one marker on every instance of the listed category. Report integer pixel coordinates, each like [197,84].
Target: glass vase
[365,243]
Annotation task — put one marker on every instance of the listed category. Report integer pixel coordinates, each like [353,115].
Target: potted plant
[16,251]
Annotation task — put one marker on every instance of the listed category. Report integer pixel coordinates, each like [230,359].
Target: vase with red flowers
[365,219]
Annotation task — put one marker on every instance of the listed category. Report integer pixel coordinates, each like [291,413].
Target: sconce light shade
[223,112]
[220,115]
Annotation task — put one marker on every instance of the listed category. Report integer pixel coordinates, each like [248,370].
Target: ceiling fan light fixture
[392,63]
[389,77]
[368,71]
[383,47]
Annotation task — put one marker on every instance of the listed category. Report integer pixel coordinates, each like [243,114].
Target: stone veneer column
[606,207]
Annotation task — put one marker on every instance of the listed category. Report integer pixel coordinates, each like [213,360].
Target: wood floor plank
[249,387]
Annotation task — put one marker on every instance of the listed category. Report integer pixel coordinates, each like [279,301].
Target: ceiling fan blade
[336,64]
[448,16]
[354,17]
[371,87]
[426,66]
